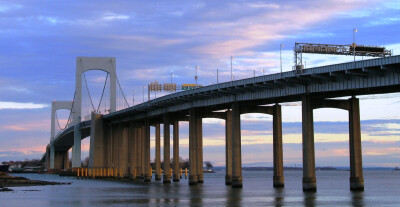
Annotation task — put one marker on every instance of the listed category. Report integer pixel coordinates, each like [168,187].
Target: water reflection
[196,195]
[357,199]
[279,197]
[309,198]
[233,196]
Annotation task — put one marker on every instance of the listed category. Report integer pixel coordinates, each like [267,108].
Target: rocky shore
[14,181]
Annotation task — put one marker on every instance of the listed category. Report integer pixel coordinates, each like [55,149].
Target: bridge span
[121,139]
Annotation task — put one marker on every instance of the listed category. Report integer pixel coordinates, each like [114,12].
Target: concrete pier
[97,142]
[278,179]
[123,149]
[132,150]
[228,147]
[158,155]
[192,147]
[147,169]
[356,170]
[176,176]
[61,160]
[167,146]
[309,180]
[236,148]
[138,138]
[76,151]
[199,146]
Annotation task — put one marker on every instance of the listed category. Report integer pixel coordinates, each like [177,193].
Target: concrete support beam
[123,149]
[199,146]
[138,138]
[107,144]
[61,160]
[176,168]
[52,156]
[143,155]
[76,149]
[278,178]
[158,155]
[132,150]
[47,157]
[116,136]
[236,148]
[167,165]
[228,147]
[147,173]
[309,180]
[96,150]
[192,147]
[356,170]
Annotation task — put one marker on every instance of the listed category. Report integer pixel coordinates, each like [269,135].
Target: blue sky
[39,41]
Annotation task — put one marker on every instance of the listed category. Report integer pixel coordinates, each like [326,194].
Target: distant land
[220,168]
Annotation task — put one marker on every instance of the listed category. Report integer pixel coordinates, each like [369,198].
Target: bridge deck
[381,75]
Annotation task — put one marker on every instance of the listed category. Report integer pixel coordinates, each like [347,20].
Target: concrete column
[107,145]
[192,147]
[138,138]
[48,157]
[147,173]
[61,160]
[96,150]
[123,149]
[199,141]
[309,180]
[116,136]
[176,151]
[76,151]
[52,156]
[236,148]
[277,145]
[228,147]
[65,160]
[143,155]
[356,170]
[167,165]
[158,156]
[132,150]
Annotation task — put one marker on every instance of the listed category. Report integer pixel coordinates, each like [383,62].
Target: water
[382,188]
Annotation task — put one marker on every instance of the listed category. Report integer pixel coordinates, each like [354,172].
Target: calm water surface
[382,188]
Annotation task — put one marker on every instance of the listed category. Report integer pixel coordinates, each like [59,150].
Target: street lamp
[172,75]
[231,67]
[195,77]
[217,75]
[354,43]
[280,56]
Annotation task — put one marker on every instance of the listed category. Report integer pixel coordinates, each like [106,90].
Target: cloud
[15,105]
[112,17]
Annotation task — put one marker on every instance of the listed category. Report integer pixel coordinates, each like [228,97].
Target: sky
[165,40]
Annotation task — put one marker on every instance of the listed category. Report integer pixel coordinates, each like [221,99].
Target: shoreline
[16,181]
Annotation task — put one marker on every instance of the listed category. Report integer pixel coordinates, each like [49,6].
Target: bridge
[121,139]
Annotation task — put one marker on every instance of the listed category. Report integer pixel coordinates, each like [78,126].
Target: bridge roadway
[313,86]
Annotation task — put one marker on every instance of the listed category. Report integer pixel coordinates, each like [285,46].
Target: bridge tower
[83,64]
[58,159]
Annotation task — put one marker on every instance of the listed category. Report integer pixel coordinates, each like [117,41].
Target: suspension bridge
[120,137]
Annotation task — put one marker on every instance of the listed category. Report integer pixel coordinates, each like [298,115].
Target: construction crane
[330,49]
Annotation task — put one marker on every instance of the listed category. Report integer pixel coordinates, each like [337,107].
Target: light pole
[354,43]
[280,56]
[172,75]
[217,75]
[231,68]
[195,77]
